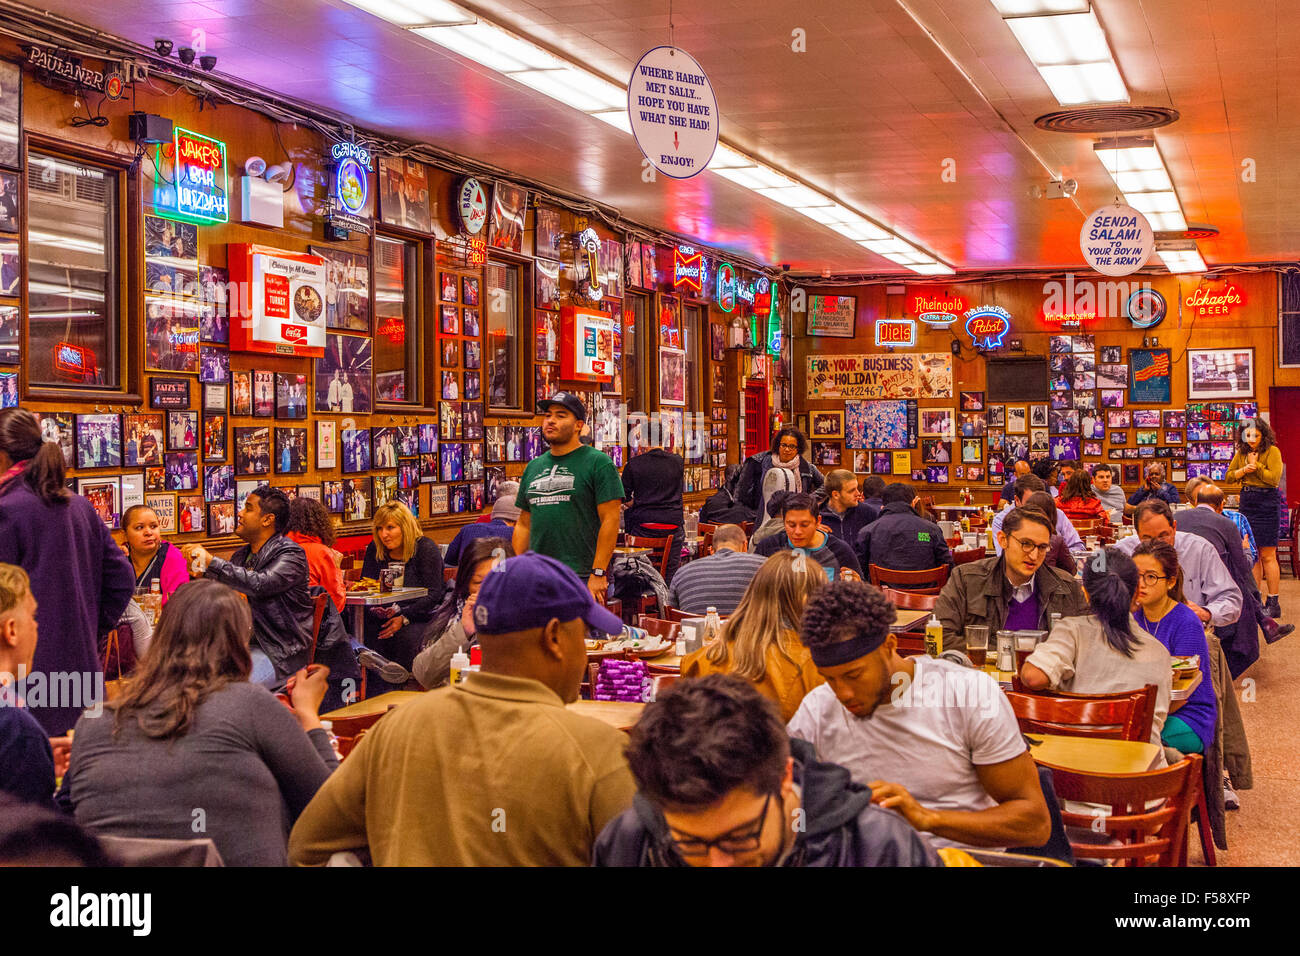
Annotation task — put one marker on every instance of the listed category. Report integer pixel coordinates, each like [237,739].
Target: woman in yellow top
[1258,466]
[760,641]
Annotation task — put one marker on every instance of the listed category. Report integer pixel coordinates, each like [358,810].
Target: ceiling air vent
[1107,119]
[1194,230]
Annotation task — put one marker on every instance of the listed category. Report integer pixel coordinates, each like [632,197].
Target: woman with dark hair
[1079,501]
[1258,466]
[191,739]
[152,558]
[1162,613]
[81,580]
[1047,469]
[1058,556]
[793,472]
[452,627]
[311,527]
[1104,651]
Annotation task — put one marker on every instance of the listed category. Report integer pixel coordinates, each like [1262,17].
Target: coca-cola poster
[284,310]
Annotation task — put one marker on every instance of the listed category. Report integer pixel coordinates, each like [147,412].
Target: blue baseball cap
[525,592]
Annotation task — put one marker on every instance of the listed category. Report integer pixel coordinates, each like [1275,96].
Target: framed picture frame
[221,517]
[264,394]
[132,490]
[105,496]
[142,437]
[290,451]
[253,450]
[99,441]
[826,424]
[672,376]
[1221,373]
[182,431]
[1149,377]
[191,512]
[182,470]
[290,396]
[219,482]
[241,393]
[972,401]
[163,504]
[215,398]
[327,443]
[169,393]
[214,438]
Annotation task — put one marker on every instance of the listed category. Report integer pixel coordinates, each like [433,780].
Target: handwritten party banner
[918,375]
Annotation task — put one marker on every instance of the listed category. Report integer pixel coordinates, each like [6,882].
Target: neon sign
[342,151]
[937,312]
[763,300]
[393,329]
[896,332]
[987,326]
[727,283]
[73,361]
[589,248]
[688,269]
[1208,302]
[202,195]
[1069,318]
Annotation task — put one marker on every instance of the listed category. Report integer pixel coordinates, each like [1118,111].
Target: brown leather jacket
[978,593]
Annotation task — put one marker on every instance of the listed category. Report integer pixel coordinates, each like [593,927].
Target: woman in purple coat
[81,579]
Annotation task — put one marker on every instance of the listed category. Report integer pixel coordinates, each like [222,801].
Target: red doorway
[1284,416]
[757,437]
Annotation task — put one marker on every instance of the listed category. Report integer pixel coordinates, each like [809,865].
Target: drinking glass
[399,573]
[1026,641]
[1090,542]
[977,644]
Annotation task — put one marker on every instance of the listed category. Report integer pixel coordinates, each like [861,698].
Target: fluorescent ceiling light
[1035,8]
[1061,40]
[724,157]
[1167,221]
[1085,83]
[1153,202]
[1146,181]
[797,197]
[936,269]
[851,230]
[1181,257]
[744,176]
[1141,156]
[615,118]
[826,215]
[414,13]
[572,89]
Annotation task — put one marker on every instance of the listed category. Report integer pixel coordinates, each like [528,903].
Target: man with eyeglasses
[1014,591]
[722,784]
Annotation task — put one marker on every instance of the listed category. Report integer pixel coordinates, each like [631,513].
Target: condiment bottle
[459,664]
[934,637]
[712,625]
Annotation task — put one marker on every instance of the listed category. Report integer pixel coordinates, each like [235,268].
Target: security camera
[254,166]
[279,172]
[785,267]
[163,46]
[1062,189]
[186,55]
[208,62]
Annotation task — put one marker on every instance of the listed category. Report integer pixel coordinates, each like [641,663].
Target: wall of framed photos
[920,413]
[426,387]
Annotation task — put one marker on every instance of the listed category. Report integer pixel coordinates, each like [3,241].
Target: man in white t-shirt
[935,741]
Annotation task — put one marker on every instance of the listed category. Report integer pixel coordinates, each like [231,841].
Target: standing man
[845,513]
[1015,591]
[570,497]
[653,483]
[1154,486]
[1109,492]
[271,571]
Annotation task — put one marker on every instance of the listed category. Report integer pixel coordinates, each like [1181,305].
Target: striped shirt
[1244,527]
[718,581]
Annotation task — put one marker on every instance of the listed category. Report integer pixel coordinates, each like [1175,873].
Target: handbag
[114,687]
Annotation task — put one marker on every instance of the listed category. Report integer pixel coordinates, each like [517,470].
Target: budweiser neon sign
[688,269]
[987,326]
[1207,301]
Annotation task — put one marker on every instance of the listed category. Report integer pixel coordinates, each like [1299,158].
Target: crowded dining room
[521,434]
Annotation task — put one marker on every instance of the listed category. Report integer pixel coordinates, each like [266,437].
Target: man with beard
[570,497]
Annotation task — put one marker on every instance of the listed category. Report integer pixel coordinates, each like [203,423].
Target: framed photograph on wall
[105,496]
[827,424]
[99,441]
[1149,377]
[1221,373]
[672,376]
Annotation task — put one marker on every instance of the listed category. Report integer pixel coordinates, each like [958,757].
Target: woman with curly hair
[1258,466]
[311,527]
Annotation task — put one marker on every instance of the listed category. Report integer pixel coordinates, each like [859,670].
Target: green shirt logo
[923,536]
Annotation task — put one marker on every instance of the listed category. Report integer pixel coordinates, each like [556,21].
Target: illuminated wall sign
[727,282]
[987,326]
[285,309]
[471,206]
[1145,308]
[74,362]
[351,187]
[393,329]
[477,251]
[202,195]
[65,67]
[1069,318]
[589,249]
[763,298]
[688,269]
[896,332]
[745,291]
[936,311]
[342,151]
[587,345]
[1207,301]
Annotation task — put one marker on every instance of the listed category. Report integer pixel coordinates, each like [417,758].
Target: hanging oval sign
[1116,240]
[472,206]
[673,112]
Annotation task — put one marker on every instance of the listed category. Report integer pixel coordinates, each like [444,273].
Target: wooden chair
[911,600]
[1130,834]
[967,555]
[661,682]
[658,627]
[449,574]
[748,527]
[349,744]
[1112,718]
[319,603]
[930,581]
[1292,543]
[1146,715]
[676,614]
[659,548]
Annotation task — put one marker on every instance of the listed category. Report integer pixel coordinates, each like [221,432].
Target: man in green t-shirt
[570,497]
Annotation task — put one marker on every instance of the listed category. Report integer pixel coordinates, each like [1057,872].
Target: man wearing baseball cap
[494,771]
[570,497]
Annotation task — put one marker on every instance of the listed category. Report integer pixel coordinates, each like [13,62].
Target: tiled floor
[1266,830]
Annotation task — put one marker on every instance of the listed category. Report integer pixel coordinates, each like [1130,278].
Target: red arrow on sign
[674,139]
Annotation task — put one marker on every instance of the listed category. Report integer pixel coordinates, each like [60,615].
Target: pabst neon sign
[1207,301]
[987,326]
[688,269]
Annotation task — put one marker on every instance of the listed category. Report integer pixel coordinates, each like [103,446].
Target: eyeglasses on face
[789,445]
[1030,547]
[1150,577]
[745,838]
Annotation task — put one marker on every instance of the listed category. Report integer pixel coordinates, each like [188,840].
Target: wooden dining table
[619,714]
[1093,754]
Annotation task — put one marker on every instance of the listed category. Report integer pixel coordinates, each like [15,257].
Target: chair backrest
[911,600]
[660,683]
[676,614]
[1111,718]
[1134,835]
[929,581]
[349,744]
[659,547]
[317,614]
[1146,712]
[658,627]
[449,574]
[967,555]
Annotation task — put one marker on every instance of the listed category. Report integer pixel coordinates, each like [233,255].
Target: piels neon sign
[896,332]
[987,326]
[688,269]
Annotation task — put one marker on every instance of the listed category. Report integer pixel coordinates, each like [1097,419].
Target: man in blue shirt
[26,760]
[1154,486]
[1009,489]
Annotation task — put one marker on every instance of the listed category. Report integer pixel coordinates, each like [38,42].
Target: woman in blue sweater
[1162,614]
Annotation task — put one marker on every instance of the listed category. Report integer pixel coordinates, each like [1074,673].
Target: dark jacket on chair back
[902,540]
[1240,639]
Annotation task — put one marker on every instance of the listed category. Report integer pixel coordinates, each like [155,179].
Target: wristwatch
[598,572]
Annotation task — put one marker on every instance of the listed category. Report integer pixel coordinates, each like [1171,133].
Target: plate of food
[640,647]
[363,586]
[1187,663]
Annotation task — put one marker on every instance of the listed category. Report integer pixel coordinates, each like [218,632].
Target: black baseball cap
[570,401]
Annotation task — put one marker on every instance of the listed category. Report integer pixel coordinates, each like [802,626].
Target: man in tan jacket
[494,771]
